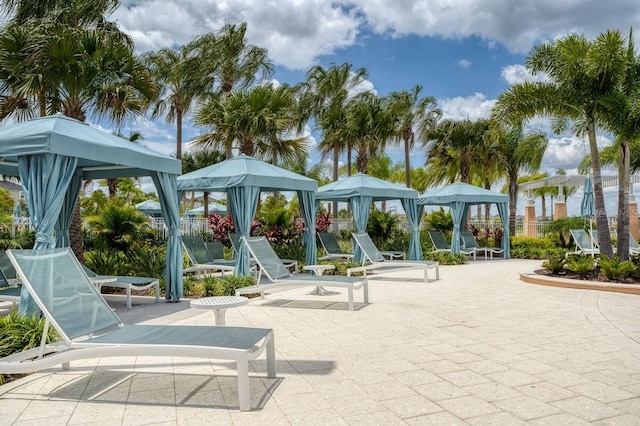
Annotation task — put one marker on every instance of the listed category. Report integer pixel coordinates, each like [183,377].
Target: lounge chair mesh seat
[9,289]
[236,240]
[373,259]
[330,245]
[277,274]
[90,329]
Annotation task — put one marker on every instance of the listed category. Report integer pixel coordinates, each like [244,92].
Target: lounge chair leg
[351,298]
[66,365]
[271,358]
[426,274]
[129,296]
[437,272]
[244,399]
[157,287]
[365,290]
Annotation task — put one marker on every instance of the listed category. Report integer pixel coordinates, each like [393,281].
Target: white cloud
[295,32]
[514,74]
[517,25]
[464,63]
[472,107]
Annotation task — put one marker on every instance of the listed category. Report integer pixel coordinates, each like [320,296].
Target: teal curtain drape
[458,214]
[414,214]
[309,207]
[68,209]
[244,202]
[45,180]
[360,207]
[167,189]
[503,211]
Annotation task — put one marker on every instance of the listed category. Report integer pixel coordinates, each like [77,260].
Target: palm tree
[621,116]
[231,61]
[368,127]
[581,76]
[324,96]
[76,64]
[181,81]
[516,152]
[257,120]
[410,111]
[452,149]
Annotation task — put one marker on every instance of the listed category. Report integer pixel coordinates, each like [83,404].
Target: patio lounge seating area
[479,346]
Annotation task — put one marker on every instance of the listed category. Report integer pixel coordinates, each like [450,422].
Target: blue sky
[465,53]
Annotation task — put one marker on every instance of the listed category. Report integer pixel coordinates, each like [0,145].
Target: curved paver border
[533,278]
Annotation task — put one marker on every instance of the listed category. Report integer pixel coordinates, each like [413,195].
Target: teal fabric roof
[244,171]
[149,207]
[213,208]
[361,184]
[100,154]
[461,192]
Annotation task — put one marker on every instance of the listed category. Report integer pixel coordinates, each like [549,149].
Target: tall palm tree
[580,78]
[324,96]
[230,61]
[182,81]
[368,127]
[621,116]
[452,147]
[256,121]
[410,111]
[515,153]
[78,64]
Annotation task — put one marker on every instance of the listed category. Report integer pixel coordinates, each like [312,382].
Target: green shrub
[615,270]
[215,286]
[19,333]
[439,220]
[559,229]
[582,265]
[447,258]
[534,248]
[555,263]
[107,262]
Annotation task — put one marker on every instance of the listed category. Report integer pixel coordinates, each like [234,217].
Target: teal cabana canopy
[52,155]
[213,208]
[360,190]
[149,207]
[243,178]
[458,197]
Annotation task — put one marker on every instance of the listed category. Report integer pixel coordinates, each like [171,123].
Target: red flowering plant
[323,222]
[221,226]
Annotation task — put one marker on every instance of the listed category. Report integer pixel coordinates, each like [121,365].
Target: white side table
[219,305]
[319,270]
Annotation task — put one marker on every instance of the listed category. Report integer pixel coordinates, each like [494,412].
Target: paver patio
[477,347]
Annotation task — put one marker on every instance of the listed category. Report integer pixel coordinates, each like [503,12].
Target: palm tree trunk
[602,222]
[336,160]
[623,200]
[407,163]
[112,184]
[543,203]
[513,203]
[178,133]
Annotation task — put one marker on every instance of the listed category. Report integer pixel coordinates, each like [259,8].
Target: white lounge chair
[90,329]
[9,283]
[200,259]
[236,238]
[276,275]
[373,259]
[470,246]
[330,245]
[128,283]
[439,242]
[584,243]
